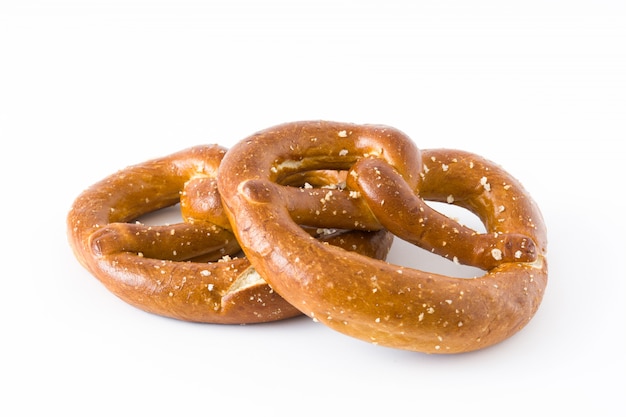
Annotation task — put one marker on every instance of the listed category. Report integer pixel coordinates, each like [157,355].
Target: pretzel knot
[388,182]
[188,270]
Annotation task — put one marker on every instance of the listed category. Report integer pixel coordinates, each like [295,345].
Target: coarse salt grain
[485,184]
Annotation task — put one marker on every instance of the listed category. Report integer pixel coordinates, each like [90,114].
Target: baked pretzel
[369,299]
[188,270]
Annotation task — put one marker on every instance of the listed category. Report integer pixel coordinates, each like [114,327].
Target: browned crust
[370,299]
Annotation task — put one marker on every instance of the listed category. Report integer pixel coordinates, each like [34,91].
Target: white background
[90,87]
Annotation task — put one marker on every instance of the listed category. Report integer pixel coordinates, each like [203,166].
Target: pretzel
[188,270]
[370,299]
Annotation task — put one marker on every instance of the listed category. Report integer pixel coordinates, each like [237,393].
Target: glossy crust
[370,299]
[189,270]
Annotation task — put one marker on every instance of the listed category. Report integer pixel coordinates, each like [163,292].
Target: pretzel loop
[367,298]
[186,270]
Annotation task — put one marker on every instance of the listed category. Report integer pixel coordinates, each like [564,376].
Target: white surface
[89,87]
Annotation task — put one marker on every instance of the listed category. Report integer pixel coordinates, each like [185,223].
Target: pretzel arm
[177,242]
[408,216]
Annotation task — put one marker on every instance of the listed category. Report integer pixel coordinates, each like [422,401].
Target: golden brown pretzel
[185,270]
[370,299]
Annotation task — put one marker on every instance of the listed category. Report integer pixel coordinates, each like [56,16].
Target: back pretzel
[188,270]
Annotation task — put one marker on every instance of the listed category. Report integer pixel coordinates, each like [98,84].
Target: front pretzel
[370,299]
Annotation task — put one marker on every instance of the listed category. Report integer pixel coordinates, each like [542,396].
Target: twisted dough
[370,299]
[186,270]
